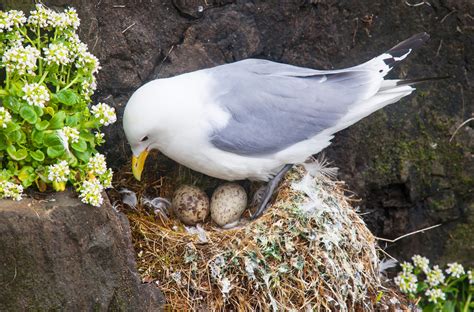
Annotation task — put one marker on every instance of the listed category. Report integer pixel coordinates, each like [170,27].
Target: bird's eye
[144,139]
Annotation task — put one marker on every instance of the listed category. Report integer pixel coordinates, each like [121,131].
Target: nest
[309,251]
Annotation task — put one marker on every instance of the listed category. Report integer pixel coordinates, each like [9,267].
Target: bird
[254,119]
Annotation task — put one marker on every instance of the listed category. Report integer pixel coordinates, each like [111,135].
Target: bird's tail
[386,61]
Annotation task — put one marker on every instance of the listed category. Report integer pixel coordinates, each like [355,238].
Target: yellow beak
[138,163]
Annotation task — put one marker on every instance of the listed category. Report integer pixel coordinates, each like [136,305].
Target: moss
[460,246]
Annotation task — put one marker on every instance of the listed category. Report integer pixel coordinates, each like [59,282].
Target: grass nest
[310,251]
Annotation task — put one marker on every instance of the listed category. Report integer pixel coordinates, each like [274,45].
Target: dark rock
[406,144]
[58,254]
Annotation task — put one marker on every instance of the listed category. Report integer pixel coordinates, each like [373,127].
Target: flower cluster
[435,277]
[91,192]
[407,282]
[104,114]
[421,262]
[435,295]
[10,190]
[35,94]
[46,115]
[71,134]
[434,290]
[5,117]
[21,60]
[59,173]
[45,18]
[97,164]
[11,19]
[57,53]
[455,269]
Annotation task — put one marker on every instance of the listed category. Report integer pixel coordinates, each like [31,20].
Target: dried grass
[310,251]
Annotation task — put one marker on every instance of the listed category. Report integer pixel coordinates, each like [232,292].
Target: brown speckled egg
[190,204]
[228,203]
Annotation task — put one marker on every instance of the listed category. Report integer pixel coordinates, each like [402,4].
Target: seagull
[254,119]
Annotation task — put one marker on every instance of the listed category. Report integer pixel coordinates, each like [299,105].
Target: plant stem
[71,83]
[43,77]
[26,36]
[38,40]
[468,302]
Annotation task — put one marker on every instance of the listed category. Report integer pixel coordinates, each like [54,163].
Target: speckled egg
[228,203]
[190,204]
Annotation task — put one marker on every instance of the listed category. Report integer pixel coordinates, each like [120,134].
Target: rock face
[400,160]
[82,258]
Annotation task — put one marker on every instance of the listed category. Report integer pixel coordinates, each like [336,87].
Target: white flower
[99,137]
[470,276]
[11,19]
[35,94]
[57,53]
[59,172]
[72,18]
[407,282]
[104,113]
[407,267]
[106,178]
[422,263]
[87,60]
[88,87]
[5,117]
[435,276]
[435,295]
[72,134]
[21,60]
[10,190]
[455,269]
[41,17]
[97,164]
[91,193]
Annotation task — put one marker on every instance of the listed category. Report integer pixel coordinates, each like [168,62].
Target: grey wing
[274,106]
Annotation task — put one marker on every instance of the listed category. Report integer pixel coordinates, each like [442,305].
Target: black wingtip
[405,47]
[412,43]
[411,82]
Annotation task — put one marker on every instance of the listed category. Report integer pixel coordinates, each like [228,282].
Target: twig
[446,16]
[123,31]
[119,6]
[460,126]
[403,236]
[417,4]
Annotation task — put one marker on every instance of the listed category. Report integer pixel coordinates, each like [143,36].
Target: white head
[144,121]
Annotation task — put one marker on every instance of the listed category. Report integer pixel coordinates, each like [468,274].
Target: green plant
[434,290]
[48,131]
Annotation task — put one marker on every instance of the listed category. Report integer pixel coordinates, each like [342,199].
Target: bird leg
[269,189]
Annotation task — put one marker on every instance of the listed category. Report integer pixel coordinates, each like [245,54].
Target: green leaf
[37,137]
[28,113]
[57,121]
[80,146]
[87,136]
[3,142]
[12,103]
[17,154]
[72,121]
[55,151]
[83,156]
[52,139]
[67,97]
[38,111]
[42,125]
[27,176]
[12,127]
[14,136]
[37,155]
